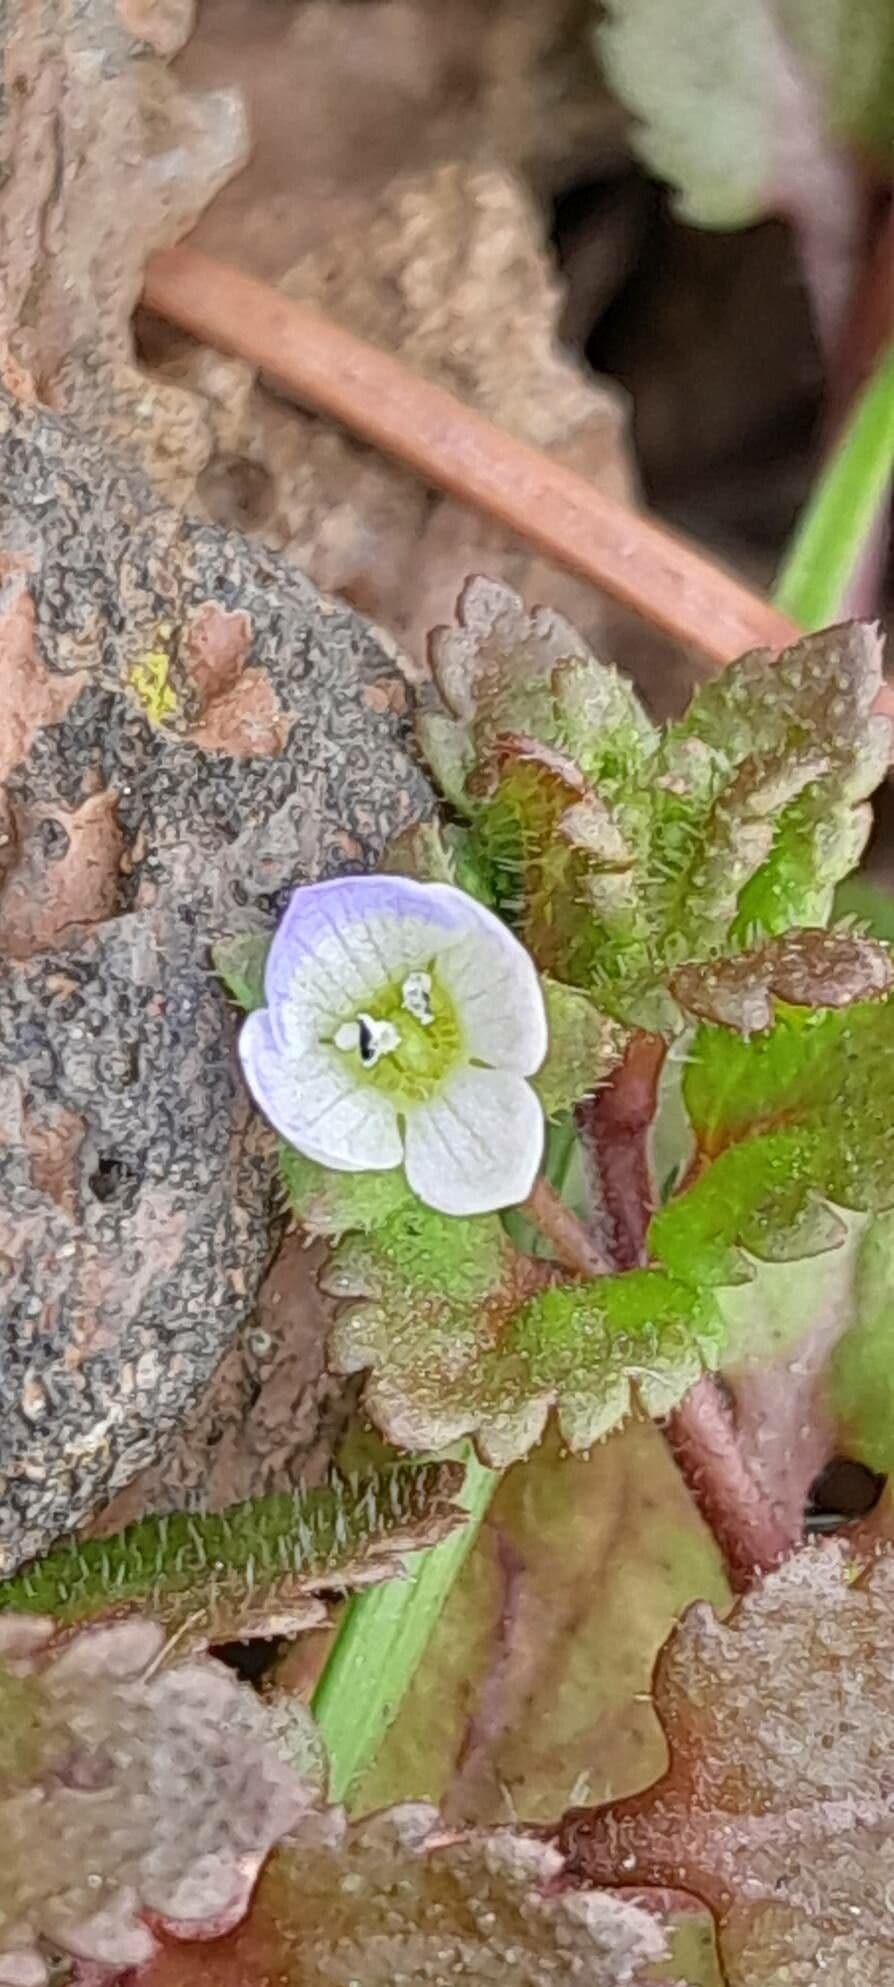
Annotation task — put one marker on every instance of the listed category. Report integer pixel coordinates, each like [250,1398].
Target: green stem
[382,1637]
[845,501]
[383,1632]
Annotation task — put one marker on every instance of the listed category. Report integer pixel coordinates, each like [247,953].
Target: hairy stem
[568,1237]
[704,1443]
[614,1126]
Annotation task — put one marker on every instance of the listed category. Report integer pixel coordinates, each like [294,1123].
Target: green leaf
[253,1569]
[465,1335]
[328,1203]
[699,82]
[502,670]
[849,491]
[857,1388]
[731,101]
[240,963]
[618,854]
[797,1121]
[762,782]
[381,1641]
[584,1045]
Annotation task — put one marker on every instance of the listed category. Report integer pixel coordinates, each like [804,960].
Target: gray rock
[137,1187]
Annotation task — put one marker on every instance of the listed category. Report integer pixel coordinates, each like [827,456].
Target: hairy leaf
[731,101]
[397,1899]
[618,853]
[584,1045]
[465,1335]
[776,1808]
[794,1119]
[142,1794]
[251,1570]
[329,1203]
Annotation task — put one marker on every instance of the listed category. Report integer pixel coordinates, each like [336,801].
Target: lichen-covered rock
[137,1195]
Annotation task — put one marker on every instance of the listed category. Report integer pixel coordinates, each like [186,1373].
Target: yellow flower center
[406,1041]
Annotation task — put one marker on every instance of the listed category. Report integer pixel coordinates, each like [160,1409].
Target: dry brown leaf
[101,161]
[263,1422]
[449,269]
[809,968]
[339,102]
[398,1899]
[134,1794]
[778,1805]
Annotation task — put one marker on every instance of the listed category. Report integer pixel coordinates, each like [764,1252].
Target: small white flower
[402,1019]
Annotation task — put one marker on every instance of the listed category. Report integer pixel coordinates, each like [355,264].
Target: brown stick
[454,448]
[614,1127]
[703,1440]
[572,1245]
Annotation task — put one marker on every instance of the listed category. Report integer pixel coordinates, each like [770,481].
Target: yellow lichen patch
[150,678]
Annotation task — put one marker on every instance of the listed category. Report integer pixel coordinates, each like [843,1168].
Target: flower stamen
[416,997]
[373,1038]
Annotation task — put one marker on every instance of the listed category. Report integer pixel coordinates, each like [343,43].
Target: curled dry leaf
[135,1797]
[804,968]
[777,1807]
[401,1899]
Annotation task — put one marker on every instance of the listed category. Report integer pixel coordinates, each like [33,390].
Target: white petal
[494,985]
[315,1102]
[340,942]
[477,1146]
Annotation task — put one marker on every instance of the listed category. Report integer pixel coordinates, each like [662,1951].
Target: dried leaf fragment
[401,1899]
[132,1795]
[805,968]
[777,1807]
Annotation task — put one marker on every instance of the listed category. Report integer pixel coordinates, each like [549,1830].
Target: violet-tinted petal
[315,1102]
[340,942]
